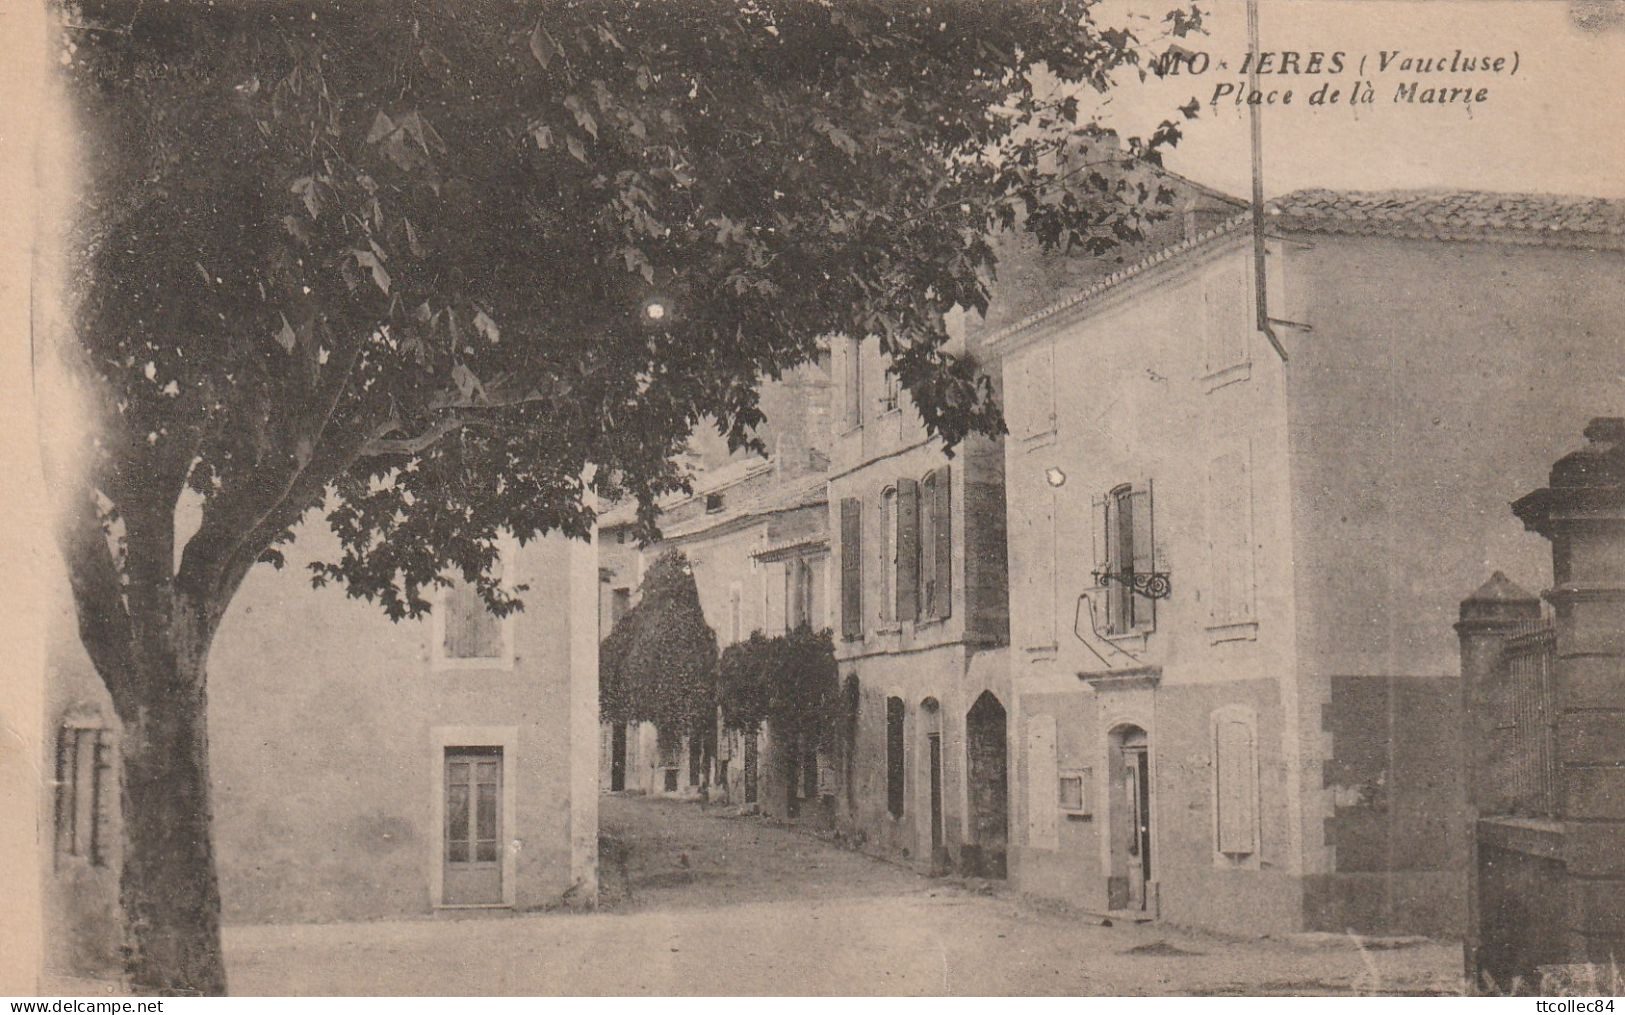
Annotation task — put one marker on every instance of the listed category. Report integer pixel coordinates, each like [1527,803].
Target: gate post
[1582,512]
[1496,611]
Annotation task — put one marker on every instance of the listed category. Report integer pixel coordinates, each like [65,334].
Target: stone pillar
[1583,513]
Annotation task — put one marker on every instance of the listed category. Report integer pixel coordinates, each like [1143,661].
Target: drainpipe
[1256,123]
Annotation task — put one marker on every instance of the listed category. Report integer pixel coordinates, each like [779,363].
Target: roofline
[1280,224]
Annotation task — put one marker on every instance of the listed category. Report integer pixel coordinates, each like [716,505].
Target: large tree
[445,267]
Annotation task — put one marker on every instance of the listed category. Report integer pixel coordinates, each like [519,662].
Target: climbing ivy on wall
[788,680]
[659,662]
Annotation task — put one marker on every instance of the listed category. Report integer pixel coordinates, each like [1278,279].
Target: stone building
[924,601]
[1235,569]
[360,768]
[755,534]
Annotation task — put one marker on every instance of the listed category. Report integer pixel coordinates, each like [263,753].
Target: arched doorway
[987,785]
[1129,814]
[931,726]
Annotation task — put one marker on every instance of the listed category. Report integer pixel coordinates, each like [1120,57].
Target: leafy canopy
[789,680]
[404,250]
[659,663]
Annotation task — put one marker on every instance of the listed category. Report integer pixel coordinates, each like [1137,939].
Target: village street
[711,903]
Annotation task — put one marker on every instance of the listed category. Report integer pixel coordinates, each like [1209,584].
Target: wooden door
[472,874]
[1137,786]
[934,743]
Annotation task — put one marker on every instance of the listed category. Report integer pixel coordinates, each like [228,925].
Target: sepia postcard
[736,498]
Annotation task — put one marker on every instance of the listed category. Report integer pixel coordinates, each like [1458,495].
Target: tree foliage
[392,258]
[400,250]
[662,654]
[789,680]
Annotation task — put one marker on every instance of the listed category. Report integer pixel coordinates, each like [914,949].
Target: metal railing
[1528,657]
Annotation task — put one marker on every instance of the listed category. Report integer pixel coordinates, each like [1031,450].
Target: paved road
[711,904]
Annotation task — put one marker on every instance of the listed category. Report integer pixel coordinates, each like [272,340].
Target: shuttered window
[1125,547]
[1043,775]
[1230,539]
[851,568]
[1235,783]
[943,531]
[908,550]
[936,545]
[471,630]
[894,756]
[1226,316]
[83,760]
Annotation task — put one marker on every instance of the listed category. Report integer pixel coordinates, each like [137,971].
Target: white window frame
[507,739]
[1084,808]
[508,552]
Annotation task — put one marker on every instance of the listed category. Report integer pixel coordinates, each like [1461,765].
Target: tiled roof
[1450,215]
[1551,219]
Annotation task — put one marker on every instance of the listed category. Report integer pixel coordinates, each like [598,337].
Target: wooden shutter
[1043,779]
[908,550]
[1142,608]
[851,568]
[1236,765]
[942,533]
[1115,593]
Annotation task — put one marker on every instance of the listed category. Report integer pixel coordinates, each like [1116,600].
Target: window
[798,594]
[889,522]
[620,603]
[936,545]
[894,756]
[1226,320]
[851,568]
[1125,548]
[467,633]
[890,392]
[905,577]
[713,503]
[473,795]
[82,764]
[620,536]
[1072,791]
[1235,782]
[1230,543]
[852,384]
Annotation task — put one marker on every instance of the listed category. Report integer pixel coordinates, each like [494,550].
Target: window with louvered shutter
[908,550]
[1226,316]
[942,548]
[1143,609]
[1127,547]
[471,630]
[1230,539]
[851,568]
[1235,782]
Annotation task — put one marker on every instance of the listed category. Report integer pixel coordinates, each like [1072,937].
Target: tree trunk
[169,890]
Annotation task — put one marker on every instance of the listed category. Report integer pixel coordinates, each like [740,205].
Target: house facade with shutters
[922,609]
[1235,573]
[755,533]
[360,768]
